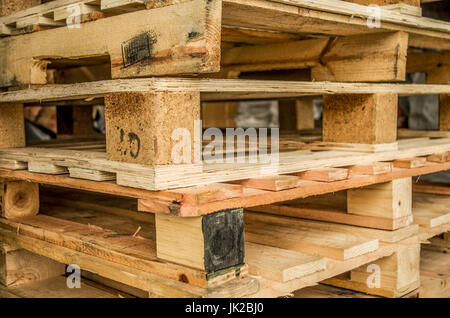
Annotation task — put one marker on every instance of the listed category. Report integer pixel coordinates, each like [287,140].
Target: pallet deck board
[212,89]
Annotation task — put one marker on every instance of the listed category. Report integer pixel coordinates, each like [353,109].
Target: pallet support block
[146,128]
[360,118]
[18,199]
[18,266]
[12,126]
[212,242]
[392,200]
[392,276]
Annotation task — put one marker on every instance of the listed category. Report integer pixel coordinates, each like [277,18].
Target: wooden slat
[214,89]
[335,216]
[280,264]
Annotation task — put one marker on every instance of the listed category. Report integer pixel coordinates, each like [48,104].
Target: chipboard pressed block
[145,128]
[389,200]
[360,118]
[212,242]
[12,126]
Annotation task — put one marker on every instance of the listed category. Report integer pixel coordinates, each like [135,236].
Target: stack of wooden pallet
[336,206]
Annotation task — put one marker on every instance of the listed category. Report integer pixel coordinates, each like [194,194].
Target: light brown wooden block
[212,242]
[276,183]
[12,127]
[439,157]
[372,169]
[376,57]
[305,113]
[410,163]
[324,175]
[398,275]
[390,200]
[139,126]
[362,119]
[18,266]
[19,199]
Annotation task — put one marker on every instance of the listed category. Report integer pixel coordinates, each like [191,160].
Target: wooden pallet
[192,44]
[100,230]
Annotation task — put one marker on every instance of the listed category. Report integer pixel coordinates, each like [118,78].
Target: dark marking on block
[135,144]
[193,35]
[138,49]
[223,239]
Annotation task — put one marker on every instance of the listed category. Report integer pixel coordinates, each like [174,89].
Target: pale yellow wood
[18,267]
[19,199]
[390,200]
[280,264]
[399,274]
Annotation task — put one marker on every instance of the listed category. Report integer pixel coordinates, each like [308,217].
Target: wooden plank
[388,200]
[409,163]
[37,20]
[90,174]
[387,3]
[152,140]
[276,183]
[331,244]
[57,288]
[153,283]
[213,89]
[372,169]
[353,147]
[399,275]
[128,250]
[20,267]
[19,199]
[47,168]
[280,264]
[439,157]
[363,119]
[335,216]
[377,57]
[13,164]
[431,210]
[381,235]
[324,175]
[434,275]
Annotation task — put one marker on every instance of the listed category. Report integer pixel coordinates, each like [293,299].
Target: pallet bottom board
[57,288]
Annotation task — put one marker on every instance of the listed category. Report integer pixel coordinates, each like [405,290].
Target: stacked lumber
[338,200]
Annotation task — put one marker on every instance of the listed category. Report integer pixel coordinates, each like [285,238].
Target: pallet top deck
[324,10]
[212,89]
